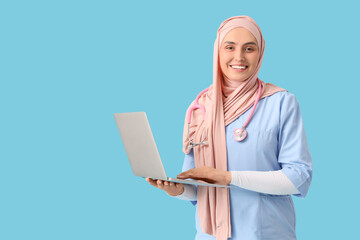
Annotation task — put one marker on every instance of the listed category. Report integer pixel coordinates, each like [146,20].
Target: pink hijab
[225,101]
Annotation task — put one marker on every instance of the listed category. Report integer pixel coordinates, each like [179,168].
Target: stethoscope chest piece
[240,134]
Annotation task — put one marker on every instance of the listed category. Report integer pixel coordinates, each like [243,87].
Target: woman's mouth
[239,68]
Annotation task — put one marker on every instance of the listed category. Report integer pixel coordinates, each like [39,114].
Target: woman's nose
[239,55]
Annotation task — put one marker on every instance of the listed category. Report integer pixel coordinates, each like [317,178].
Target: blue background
[67,66]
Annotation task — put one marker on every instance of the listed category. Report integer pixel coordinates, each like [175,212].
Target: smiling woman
[264,167]
[238,55]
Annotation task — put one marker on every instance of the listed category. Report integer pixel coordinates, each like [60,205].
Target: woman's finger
[153,182]
[195,173]
[186,174]
[171,188]
[207,174]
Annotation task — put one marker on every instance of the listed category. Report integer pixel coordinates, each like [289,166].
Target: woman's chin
[238,78]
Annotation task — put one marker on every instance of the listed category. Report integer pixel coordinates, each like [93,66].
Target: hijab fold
[225,101]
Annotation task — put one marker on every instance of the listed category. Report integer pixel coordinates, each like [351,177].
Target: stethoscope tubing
[197,105]
[255,104]
[239,133]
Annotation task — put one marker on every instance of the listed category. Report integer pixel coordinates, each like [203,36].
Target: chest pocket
[259,150]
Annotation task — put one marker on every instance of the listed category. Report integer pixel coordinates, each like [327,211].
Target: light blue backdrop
[67,66]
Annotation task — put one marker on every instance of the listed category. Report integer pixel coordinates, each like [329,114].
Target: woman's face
[238,54]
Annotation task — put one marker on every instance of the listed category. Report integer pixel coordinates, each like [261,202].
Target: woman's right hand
[171,188]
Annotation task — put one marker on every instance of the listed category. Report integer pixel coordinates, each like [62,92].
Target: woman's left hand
[207,174]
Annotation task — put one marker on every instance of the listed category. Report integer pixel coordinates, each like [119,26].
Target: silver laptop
[141,148]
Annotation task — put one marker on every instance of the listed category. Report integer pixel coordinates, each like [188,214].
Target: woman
[255,141]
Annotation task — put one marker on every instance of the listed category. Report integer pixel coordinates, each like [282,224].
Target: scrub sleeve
[294,155]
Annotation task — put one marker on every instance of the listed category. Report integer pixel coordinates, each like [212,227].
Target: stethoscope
[239,133]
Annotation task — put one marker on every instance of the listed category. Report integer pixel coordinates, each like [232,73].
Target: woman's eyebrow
[229,42]
[248,43]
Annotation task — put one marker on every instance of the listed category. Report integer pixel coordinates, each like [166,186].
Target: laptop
[141,149]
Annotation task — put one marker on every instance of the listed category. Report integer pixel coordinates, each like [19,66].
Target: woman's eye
[249,49]
[229,47]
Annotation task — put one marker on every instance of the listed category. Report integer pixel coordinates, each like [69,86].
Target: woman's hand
[207,174]
[171,188]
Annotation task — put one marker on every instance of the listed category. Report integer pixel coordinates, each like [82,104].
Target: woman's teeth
[239,67]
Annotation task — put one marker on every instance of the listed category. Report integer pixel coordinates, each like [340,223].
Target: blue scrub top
[276,140]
